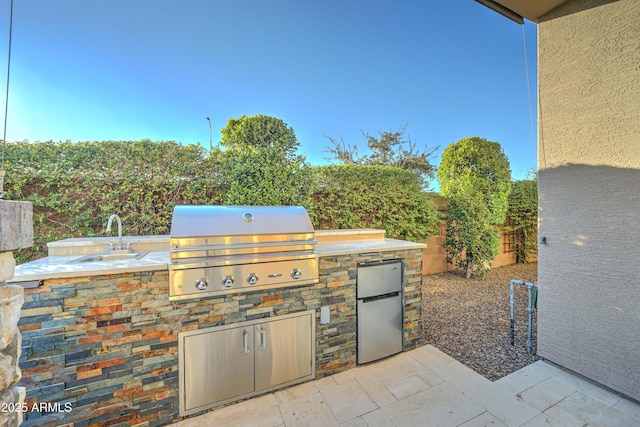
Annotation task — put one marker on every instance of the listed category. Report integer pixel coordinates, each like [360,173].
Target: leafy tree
[475,179]
[523,216]
[385,197]
[261,165]
[388,149]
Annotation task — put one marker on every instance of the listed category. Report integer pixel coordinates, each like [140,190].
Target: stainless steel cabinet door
[283,350]
[217,366]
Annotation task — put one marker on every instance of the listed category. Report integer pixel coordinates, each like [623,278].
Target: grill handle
[177,247]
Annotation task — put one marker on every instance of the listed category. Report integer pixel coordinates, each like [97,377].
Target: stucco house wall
[589,190]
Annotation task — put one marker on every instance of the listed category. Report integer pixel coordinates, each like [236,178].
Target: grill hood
[200,221]
[216,250]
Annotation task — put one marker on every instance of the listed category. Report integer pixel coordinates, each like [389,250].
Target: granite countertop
[62,262]
[365,246]
[56,267]
[95,245]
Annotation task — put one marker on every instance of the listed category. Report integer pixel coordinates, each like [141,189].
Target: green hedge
[358,196]
[75,187]
[523,215]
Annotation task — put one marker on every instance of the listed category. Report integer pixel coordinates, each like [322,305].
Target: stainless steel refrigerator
[379,297]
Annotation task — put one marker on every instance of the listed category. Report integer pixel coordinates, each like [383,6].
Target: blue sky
[127,70]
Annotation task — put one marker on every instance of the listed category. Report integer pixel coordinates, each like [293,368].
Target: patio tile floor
[426,387]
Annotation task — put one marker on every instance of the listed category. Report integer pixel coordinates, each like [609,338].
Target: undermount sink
[112,256]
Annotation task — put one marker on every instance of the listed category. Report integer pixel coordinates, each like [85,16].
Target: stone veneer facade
[103,350]
[16,231]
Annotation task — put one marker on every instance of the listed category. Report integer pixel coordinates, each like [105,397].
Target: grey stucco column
[16,231]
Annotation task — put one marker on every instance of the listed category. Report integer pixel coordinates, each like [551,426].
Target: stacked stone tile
[103,350]
[16,231]
[336,341]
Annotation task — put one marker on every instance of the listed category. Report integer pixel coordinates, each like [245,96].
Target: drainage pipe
[530,287]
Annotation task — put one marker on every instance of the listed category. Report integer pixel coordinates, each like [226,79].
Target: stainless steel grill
[217,250]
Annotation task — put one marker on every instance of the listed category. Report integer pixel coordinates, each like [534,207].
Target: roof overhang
[518,10]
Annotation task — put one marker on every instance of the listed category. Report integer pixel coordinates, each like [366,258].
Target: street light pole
[210,136]
[6,103]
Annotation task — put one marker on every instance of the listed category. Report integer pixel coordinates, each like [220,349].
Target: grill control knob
[252,278]
[201,284]
[228,280]
[296,273]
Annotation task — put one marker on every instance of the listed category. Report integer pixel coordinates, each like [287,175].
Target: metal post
[210,136]
[530,310]
[6,103]
[512,318]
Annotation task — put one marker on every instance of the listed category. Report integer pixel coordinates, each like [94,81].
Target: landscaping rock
[469,318]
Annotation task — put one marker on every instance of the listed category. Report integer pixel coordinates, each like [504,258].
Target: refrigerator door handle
[379,297]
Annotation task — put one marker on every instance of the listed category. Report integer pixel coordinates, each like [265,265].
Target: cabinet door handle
[263,339]
[245,340]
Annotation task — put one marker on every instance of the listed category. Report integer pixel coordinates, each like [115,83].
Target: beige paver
[629,408]
[544,395]
[583,409]
[426,387]
[528,377]
[484,420]
[396,368]
[430,356]
[378,392]
[261,411]
[293,393]
[325,382]
[356,422]
[349,375]
[543,420]
[348,400]
[587,387]
[442,405]
[407,386]
[499,402]
[308,411]
[377,418]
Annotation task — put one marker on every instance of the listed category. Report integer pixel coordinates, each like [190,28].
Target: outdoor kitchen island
[102,336]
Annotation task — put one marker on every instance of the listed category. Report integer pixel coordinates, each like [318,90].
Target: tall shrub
[261,164]
[475,179]
[523,214]
[385,197]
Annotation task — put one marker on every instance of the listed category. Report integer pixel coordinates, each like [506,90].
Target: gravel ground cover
[469,318]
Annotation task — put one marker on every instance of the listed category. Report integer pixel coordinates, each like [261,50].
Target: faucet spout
[117,218]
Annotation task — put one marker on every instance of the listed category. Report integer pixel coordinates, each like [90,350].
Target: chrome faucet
[117,218]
